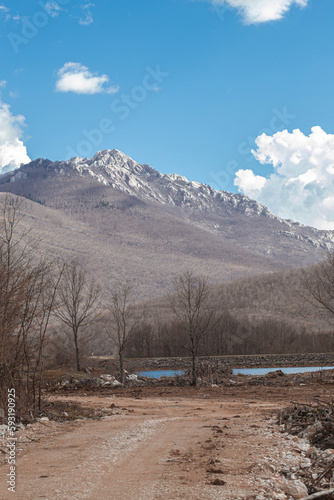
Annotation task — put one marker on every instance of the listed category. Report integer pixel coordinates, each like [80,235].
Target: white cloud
[249,182]
[87,14]
[12,150]
[53,9]
[302,184]
[261,11]
[74,77]
[3,84]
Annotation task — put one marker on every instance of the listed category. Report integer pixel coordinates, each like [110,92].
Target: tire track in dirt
[162,449]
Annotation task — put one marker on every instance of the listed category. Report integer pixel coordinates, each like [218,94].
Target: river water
[290,369]
[160,373]
[243,371]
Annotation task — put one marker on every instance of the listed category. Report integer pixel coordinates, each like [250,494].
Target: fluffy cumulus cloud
[301,186]
[74,77]
[249,183]
[261,11]
[12,150]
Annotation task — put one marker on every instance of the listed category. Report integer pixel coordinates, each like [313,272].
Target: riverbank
[242,361]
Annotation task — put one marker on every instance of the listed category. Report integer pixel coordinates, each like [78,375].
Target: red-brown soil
[163,443]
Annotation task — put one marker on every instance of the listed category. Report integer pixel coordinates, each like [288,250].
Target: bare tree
[78,304]
[319,284]
[27,295]
[123,319]
[190,304]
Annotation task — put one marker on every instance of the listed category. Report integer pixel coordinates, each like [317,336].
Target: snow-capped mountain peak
[116,170]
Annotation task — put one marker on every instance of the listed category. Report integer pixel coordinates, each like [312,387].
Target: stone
[3,429]
[302,446]
[275,374]
[218,482]
[64,383]
[296,489]
[115,383]
[305,463]
[106,383]
[107,377]
[327,455]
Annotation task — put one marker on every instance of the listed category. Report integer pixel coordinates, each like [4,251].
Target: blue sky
[184,85]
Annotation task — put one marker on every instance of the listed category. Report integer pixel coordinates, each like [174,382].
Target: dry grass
[62,411]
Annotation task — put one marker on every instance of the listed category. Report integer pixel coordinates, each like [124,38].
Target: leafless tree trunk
[123,319]
[319,286]
[190,304]
[78,304]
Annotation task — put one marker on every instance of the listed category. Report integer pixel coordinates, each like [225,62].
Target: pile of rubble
[314,422]
[104,380]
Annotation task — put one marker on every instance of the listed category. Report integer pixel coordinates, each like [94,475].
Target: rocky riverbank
[251,361]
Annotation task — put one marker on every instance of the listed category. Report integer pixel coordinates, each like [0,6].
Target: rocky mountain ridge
[115,169]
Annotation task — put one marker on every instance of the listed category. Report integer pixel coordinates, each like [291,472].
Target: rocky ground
[169,442]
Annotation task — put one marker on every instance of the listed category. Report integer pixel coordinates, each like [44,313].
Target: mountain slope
[126,219]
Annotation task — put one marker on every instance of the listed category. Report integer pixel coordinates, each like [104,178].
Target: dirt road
[153,448]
